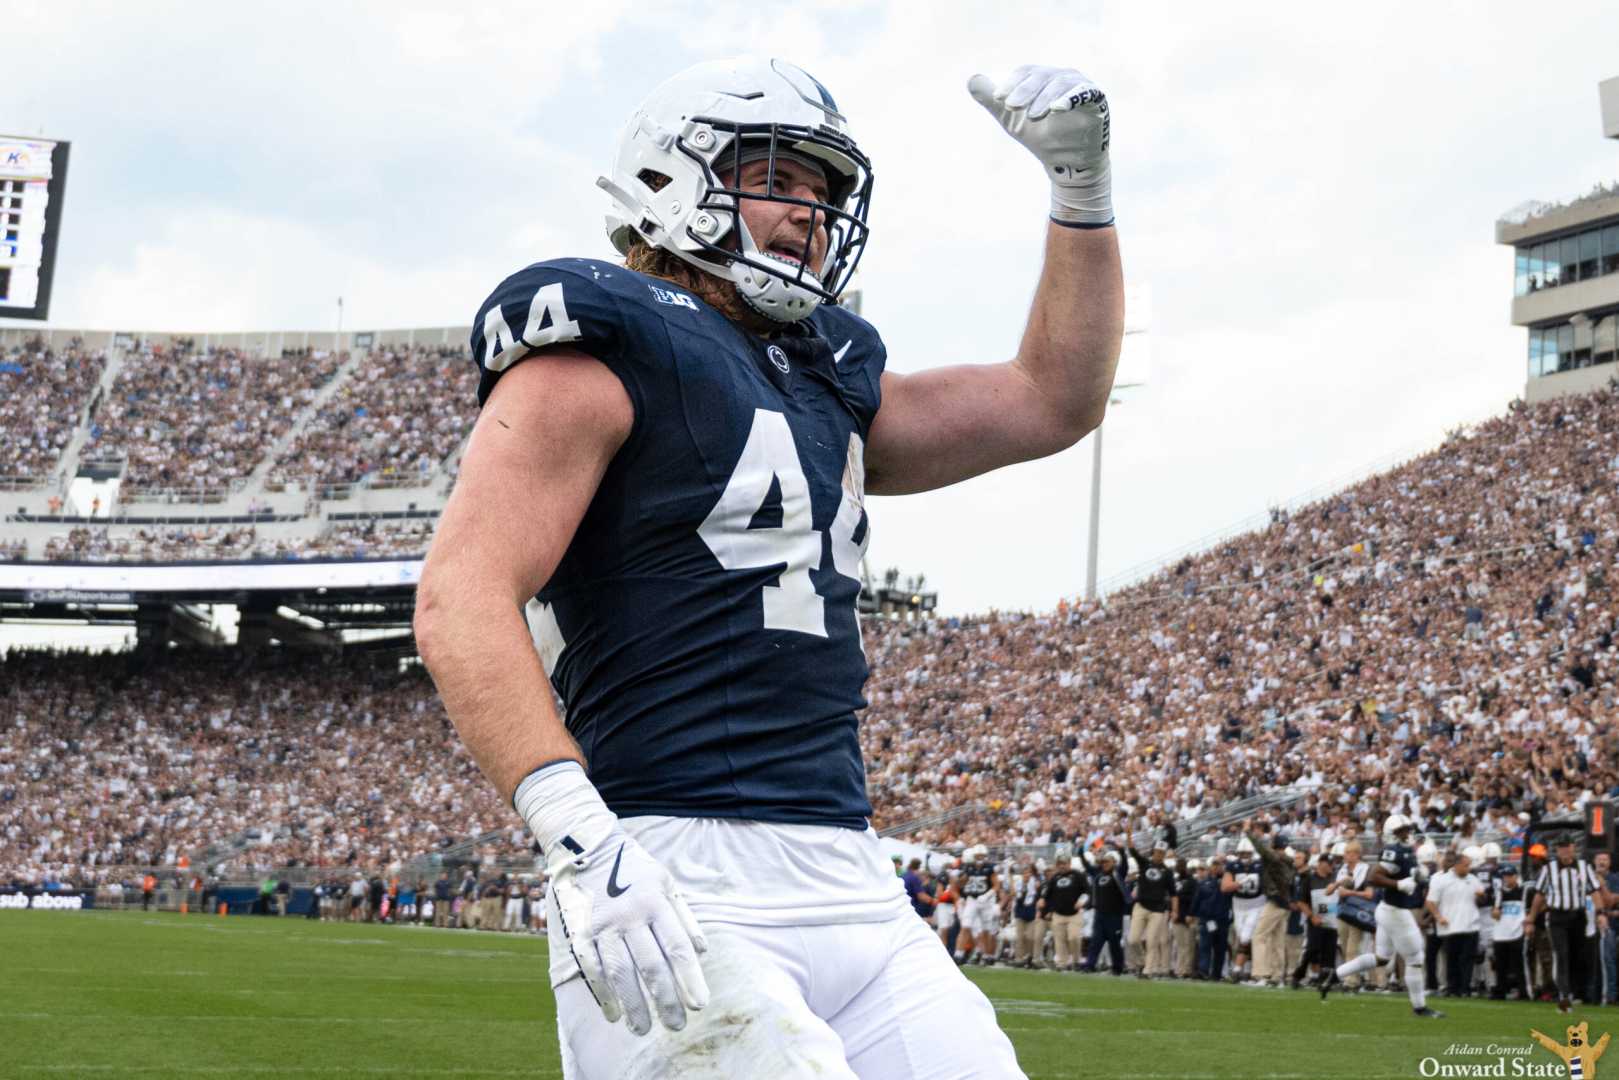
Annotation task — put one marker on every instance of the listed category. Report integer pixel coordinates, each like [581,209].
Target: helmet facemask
[773,287]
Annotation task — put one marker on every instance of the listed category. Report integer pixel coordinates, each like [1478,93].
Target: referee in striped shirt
[1561,890]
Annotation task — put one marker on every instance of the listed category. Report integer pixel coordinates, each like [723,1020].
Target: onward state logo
[1578,1057]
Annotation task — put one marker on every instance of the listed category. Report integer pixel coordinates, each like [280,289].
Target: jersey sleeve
[544,305]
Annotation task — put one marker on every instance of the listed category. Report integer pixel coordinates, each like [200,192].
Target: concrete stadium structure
[1566,281]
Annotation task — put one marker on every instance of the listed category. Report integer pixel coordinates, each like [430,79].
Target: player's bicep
[939,427]
[541,445]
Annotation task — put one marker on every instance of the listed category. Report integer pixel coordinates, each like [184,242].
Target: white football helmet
[1474,853]
[1396,824]
[1245,846]
[709,121]
[1492,850]
[1427,852]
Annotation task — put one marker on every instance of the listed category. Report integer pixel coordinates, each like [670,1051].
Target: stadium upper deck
[153,448]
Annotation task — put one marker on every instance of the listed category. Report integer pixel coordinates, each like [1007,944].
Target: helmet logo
[808,86]
[778,358]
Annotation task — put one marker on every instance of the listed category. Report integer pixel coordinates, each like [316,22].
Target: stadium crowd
[366,538]
[1437,642]
[190,419]
[392,422]
[42,394]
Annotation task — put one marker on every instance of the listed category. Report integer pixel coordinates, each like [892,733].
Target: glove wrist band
[563,809]
[1087,203]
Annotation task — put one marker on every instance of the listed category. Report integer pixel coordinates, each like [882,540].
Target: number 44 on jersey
[770,456]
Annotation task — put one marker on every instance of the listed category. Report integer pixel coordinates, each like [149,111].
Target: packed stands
[43,393]
[1438,640]
[109,760]
[1443,632]
[197,419]
[390,424]
[364,539]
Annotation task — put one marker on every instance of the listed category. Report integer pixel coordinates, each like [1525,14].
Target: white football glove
[622,917]
[1406,885]
[1062,118]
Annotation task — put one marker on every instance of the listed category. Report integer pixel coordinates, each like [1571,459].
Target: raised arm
[1550,1043]
[942,426]
[1266,852]
[939,427]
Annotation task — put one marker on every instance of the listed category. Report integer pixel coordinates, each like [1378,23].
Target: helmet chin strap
[771,296]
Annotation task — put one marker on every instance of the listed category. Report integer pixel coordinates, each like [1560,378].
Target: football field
[101,994]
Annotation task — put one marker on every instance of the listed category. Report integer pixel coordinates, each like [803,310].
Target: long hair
[716,292]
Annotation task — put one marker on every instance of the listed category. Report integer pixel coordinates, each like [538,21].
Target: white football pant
[857,1001]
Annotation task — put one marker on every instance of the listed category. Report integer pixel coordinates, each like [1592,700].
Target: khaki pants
[1151,929]
[1355,941]
[1029,935]
[1183,937]
[1065,938]
[1292,953]
[1268,942]
[441,913]
[489,919]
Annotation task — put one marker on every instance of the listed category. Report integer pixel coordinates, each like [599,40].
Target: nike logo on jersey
[613,887]
[837,357]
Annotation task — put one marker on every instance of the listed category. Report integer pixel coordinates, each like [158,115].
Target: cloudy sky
[1306,192]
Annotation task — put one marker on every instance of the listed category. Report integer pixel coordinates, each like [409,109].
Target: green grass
[103,994]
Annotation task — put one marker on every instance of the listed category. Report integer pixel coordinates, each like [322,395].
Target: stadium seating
[42,394]
[1437,639]
[196,420]
[391,423]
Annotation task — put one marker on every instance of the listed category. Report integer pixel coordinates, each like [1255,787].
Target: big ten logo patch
[672,298]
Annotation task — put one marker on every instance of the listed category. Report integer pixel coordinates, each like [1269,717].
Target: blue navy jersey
[977,879]
[700,628]
[1399,862]
[1248,874]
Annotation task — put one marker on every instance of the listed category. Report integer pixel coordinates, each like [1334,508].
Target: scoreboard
[33,177]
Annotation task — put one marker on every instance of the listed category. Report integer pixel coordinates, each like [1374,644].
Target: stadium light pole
[1114,398]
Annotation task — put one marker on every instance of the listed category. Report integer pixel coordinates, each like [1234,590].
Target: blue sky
[1309,200]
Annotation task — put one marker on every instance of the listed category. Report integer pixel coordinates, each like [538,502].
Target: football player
[981,917]
[668,476]
[1244,880]
[1403,881]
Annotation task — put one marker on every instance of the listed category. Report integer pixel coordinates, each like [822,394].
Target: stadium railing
[932,820]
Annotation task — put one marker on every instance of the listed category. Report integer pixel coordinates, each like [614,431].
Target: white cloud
[1310,195]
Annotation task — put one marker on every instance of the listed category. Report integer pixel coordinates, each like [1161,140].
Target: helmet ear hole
[654,179]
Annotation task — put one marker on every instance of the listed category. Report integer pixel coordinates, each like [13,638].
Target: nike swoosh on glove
[627,924]
[1061,117]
